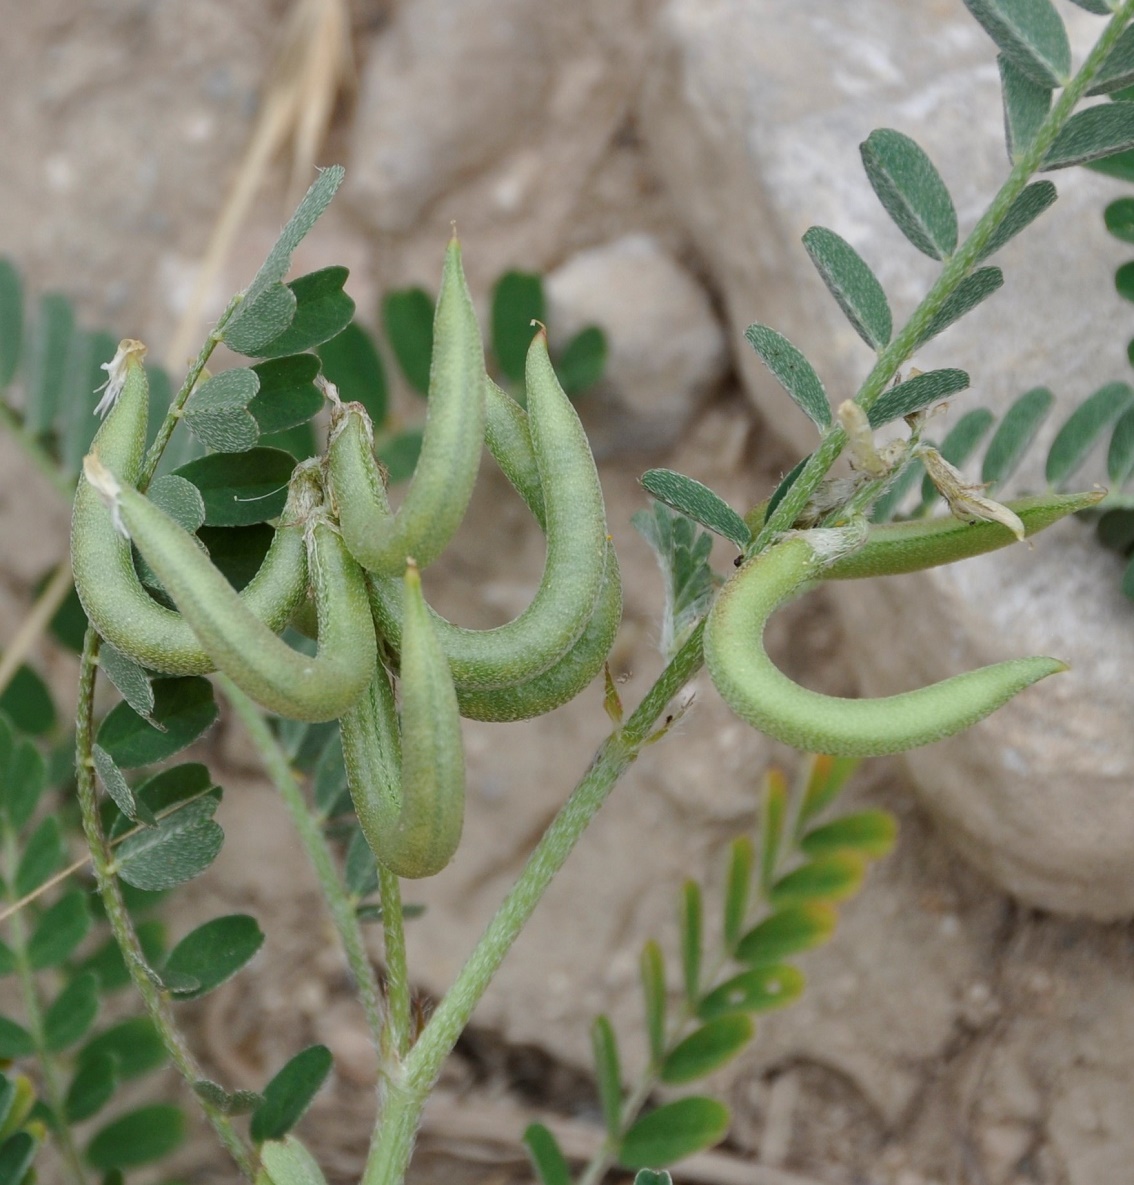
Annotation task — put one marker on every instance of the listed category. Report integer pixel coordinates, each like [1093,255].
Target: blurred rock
[665,346]
[1039,795]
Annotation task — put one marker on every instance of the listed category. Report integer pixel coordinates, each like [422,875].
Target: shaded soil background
[948,1035]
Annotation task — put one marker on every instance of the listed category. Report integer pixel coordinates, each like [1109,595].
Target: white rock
[665,346]
[1038,795]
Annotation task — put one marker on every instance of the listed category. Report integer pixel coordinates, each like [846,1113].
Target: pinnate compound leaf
[15,1040]
[71,1014]
[407,315]
[673,1132]
[27,702]
[134,1045]
[140,1137]
[911,190]
[240,491]
[1083,428]
[691,926]
[583,360]
[832,877]
[1098,7]
[217,412]
[973,289]
[795,373]
[852,284]
[546,1156]
[517,301]
[11,321]
[170,787]
[872,833]
[1026,104]
[287,1162]
[17,1154]
[290,1093]
[759,990]
[653,990]
[177,849]
[351,361]
[682,554]
[322,310]
[787,932]
[59,931]
[1119,217]
[113,781]
[698,502]
[212,954]
[314,202]
[91,1088]
[1092,134]
[825,779]
[916,393]
[609,1074]
[287,394]
[1014,435]
[1120,455]
[128,677]
[260,320]
[1118,69]
[1029,32]
[738,888]
[707,1049]
[42,855]
[183,710]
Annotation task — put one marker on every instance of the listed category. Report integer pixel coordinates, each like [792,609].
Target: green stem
[959,265]
[314,844]
[393,1140]
[396,1039]
[52,1090]
[153,456]
[156,1002]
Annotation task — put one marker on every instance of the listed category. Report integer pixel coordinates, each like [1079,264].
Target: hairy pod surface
[563,680]
[243,647]
[115,600]
[443,480]
[758,692]
[895,548]
[509,441]
[563,605]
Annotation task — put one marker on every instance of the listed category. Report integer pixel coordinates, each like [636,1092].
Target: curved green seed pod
[443,480]
[576,554]
[242,646]
[115,600]
[417,834]
[763,696]
[509,441]
[563,680]
[912,546]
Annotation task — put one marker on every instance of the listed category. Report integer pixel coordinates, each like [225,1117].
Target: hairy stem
[315,845]
[156,1001]
[959,265]
[153,456]
[396,1038]
[393,1140]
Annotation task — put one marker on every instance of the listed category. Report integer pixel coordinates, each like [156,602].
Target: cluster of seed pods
[339,540]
